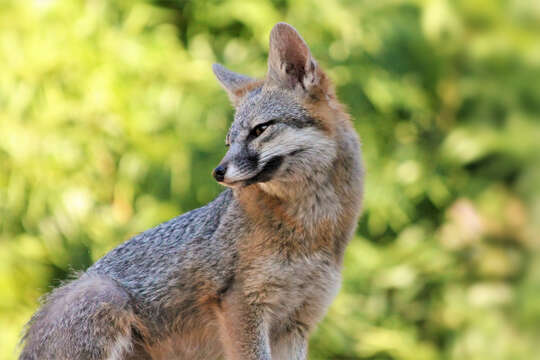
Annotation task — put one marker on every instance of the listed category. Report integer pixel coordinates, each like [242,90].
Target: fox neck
[323,210]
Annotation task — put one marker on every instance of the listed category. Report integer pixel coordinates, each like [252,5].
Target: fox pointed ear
[290,63]
[235,84]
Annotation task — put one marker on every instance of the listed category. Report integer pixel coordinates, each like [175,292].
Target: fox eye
[259,129]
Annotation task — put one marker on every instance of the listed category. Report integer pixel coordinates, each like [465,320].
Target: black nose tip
[219,173]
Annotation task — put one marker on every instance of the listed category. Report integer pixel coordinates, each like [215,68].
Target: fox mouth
[267,172]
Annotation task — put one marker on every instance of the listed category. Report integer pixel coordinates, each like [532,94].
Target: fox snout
[237,166]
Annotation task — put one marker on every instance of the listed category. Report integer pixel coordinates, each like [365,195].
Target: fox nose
[219,173]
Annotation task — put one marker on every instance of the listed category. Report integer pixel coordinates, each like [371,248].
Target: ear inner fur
[290,64]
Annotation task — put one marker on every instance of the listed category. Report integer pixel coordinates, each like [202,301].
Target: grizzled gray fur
[249,275]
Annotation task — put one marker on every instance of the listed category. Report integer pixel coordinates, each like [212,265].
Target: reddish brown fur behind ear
[241,92]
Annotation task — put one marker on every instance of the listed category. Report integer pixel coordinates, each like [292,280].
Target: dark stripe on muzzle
[268,171]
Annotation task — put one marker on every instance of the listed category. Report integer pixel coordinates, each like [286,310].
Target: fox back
[249,275]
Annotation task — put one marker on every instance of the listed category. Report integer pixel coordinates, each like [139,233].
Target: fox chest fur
[288,260]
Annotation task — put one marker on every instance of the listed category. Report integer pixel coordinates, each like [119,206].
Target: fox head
[284,126]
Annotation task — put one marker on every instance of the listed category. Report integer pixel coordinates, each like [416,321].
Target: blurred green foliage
[111,122]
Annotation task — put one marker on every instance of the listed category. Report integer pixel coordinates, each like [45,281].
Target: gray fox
[249,275]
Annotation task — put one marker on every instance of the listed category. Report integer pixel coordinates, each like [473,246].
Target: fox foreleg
[244,333]
[291,345]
